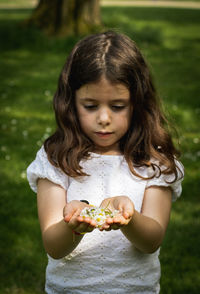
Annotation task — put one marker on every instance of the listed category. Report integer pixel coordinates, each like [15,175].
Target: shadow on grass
[155,14]
[16,34]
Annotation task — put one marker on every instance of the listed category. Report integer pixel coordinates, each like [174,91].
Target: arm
[57,234]
[145,230]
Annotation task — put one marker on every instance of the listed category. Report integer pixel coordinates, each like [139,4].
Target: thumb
[127,210]
[68,212]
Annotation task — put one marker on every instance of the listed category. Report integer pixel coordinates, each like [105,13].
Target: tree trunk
[67,17]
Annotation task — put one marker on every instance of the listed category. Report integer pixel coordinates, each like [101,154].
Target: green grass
[30,64]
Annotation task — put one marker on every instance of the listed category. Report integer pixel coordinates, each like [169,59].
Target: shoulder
[159,178]
[42,168]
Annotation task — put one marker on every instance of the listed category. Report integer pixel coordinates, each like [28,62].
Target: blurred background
[35,39]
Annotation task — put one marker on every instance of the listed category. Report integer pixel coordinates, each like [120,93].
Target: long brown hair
[117,58]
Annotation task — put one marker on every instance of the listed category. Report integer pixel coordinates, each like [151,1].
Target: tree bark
[67,17]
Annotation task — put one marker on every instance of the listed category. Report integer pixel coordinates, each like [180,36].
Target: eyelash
[114,107]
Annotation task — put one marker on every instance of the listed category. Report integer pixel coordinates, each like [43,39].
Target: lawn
[30,64]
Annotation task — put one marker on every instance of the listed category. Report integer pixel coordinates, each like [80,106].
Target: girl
[111,149]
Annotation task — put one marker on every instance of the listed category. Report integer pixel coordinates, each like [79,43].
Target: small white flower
[7,157]
[7,109]
[47,93]
[3,148]
[13,121]
[39,143]
[25,133]
[23,175]
[45,136]
[48,130]
[198,153]
[196,140]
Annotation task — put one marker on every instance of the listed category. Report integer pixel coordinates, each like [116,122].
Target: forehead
[103,89]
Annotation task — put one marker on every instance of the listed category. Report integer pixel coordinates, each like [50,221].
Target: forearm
[145,233]
[59,240]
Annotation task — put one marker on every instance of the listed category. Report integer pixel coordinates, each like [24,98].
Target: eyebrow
[96,100]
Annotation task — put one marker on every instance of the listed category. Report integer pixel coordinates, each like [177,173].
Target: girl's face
[104,112]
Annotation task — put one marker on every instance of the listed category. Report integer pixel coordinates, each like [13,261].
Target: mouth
[103,134]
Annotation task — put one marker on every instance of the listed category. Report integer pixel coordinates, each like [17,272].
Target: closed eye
[90,107]
[118,107]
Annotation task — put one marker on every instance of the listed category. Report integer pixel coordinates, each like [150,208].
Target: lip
[103,134]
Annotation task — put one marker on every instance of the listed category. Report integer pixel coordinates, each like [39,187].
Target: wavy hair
[117,58]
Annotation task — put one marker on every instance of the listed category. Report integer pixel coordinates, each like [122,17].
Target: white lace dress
[103,262]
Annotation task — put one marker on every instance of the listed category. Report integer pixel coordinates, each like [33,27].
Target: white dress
[103,262]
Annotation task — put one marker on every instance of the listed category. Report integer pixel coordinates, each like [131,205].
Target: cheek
[85,120]
[124,121]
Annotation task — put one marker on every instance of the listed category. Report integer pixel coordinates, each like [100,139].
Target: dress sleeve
[165,181]
[42,168]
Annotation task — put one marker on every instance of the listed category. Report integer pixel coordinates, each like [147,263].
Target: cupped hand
[77,223]
[126,211]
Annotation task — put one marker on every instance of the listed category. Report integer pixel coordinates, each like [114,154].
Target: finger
[84,224]
[73,223]
[83,219]
[104,227]
[127,210]
[87,220]
[67,218]
[93,223]
[119,220]
[109,220]
[68,213]
[107,229]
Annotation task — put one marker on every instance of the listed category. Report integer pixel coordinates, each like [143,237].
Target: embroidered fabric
[42,168]
[103,262]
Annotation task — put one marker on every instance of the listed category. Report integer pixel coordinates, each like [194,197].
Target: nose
[104,117]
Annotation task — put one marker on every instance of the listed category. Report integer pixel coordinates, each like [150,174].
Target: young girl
[111,149]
